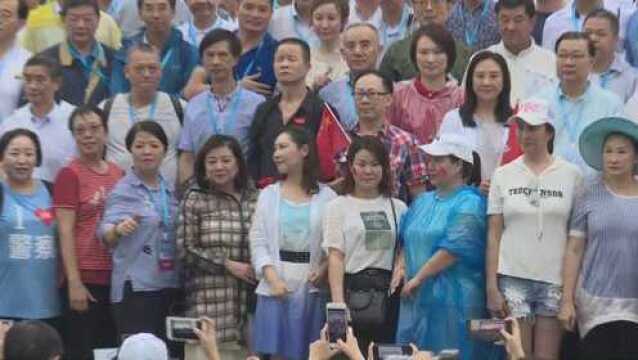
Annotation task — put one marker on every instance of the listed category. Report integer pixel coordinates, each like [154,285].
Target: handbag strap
[396,235]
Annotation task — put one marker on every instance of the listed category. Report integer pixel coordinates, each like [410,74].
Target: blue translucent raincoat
[435,317]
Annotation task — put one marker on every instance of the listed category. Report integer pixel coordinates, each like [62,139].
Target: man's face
[81,23]
[360,48]
[515,26]
[202,9]
[389,5]
[289,64]
[9,22]
[254,15]
[601,34]
[573,61]
[431,11]
[143,70]
[371,98]
[157,15]
[218,61]
[39,86]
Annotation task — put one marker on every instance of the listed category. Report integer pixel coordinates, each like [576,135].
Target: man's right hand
[79,297]
[250,82]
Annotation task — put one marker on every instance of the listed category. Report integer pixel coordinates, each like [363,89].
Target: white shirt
[56,141]
[194,35]
[536,211]
[119,123]
[530,70]
[375,20]
[631,108]
[286,23]
[388,35]
[126,14]
[11,65]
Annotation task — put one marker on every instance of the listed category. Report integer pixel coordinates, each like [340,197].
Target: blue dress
[435,317]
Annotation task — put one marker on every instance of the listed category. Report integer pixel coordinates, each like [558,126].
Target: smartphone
[489,329]
[337,319]
[6,322]
[448,355]
[182,328]
[391,351]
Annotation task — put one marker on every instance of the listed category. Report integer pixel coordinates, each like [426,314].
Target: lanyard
[401,29]
[350,100]
[132,116]
[250,66]
[192,34]
[217,121]
[471,33]
[161,208]
[166,58]
[574,18]
[570,126]
[604,78]
[89,68]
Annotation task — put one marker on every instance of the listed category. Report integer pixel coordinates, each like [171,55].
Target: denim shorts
[527,298]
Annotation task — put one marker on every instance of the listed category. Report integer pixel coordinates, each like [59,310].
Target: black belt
[300,257]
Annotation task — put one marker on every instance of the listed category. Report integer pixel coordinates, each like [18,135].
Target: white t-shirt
[119,124]
[536,211]
[363,229]
[11,65]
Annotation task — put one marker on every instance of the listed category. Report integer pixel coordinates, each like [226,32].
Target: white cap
[450,144]
[143,346]
[534,112]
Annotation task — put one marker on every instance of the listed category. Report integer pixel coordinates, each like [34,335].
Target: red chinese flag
[332,142]
[512,148]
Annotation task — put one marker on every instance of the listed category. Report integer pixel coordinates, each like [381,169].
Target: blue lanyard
[217,120]
[250,66]
[89,68]
[570,126]
[350,99]
[192,34]
[132,117]
[166,58]
[471,33]
[161,209]
[574,18]
[604,79]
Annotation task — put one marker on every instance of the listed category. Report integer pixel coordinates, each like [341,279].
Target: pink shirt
[420,112]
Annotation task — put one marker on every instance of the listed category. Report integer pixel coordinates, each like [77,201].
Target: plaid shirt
[407,161]
[213,227]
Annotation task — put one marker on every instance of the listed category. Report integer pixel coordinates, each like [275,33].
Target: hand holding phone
[182,329]
[489,329]
[391,351]
[337,321]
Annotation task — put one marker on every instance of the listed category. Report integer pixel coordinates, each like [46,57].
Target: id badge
[166,253]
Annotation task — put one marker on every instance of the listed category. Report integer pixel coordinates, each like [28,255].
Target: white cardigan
[264,232]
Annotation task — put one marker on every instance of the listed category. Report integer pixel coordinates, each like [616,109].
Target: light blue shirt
[286,23]
[202,119]
[388,35]
[28,256]
[295,226]
[339,95]
[631,43]
[194,35]
[571,116]
[136,256]
[620,78]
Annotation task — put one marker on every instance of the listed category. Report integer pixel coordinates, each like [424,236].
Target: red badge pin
[299,121]
[45,215]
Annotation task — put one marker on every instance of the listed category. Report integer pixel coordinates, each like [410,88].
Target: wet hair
[219,35]
[503,107]
[530,9]
[375,147]
[72,4]
[343,8]
[576,35]
[388,85]
[607,15]
[310,170]
[147,126]
[216,142]
[439,36]
[305,49]
[172,3]
[84,110]
[32,340]
[6,139]
[54,69]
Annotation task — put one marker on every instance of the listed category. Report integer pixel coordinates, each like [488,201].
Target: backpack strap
[107,107]
[179,110]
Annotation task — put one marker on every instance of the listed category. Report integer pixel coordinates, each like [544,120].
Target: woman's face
[19,159]
[619,156]
[221,166]
[443,170]
[533,138]
[367,171]
[326,22]
[430,58]
[148,152]
[488,80]
[89,134]
[288,156]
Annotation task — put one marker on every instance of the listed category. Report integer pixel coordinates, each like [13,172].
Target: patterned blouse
[212,227]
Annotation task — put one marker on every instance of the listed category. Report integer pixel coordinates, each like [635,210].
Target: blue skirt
[286,327]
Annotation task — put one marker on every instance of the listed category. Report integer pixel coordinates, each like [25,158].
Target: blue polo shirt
[259,60]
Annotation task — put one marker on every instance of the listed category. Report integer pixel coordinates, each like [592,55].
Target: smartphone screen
[388,351]
[337,324]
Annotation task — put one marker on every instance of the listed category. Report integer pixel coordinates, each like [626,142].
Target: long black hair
[503,107]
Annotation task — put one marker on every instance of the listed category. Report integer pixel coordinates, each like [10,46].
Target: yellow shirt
[44,28]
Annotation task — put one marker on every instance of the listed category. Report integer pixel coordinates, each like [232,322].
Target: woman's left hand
[316,277]
[397,276]
[410,287]
[485,187]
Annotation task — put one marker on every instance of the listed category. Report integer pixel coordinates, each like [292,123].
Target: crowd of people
[247,162]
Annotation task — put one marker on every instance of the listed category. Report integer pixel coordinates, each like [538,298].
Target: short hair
[147,126]
[219,35]
[607,15]
[530,9]
[53,68]
[441,37]
[72,4]
[88,109]
[172,3]
[6,139]
[270,2]
[576,35]
[388,85]
[32,340]
[216,142]
[343,8]
[305,49]
[310,171]
[23,9]
[363,25]
[375,147]
[141,47]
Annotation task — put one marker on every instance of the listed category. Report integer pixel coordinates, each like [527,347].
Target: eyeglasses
[370,94]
